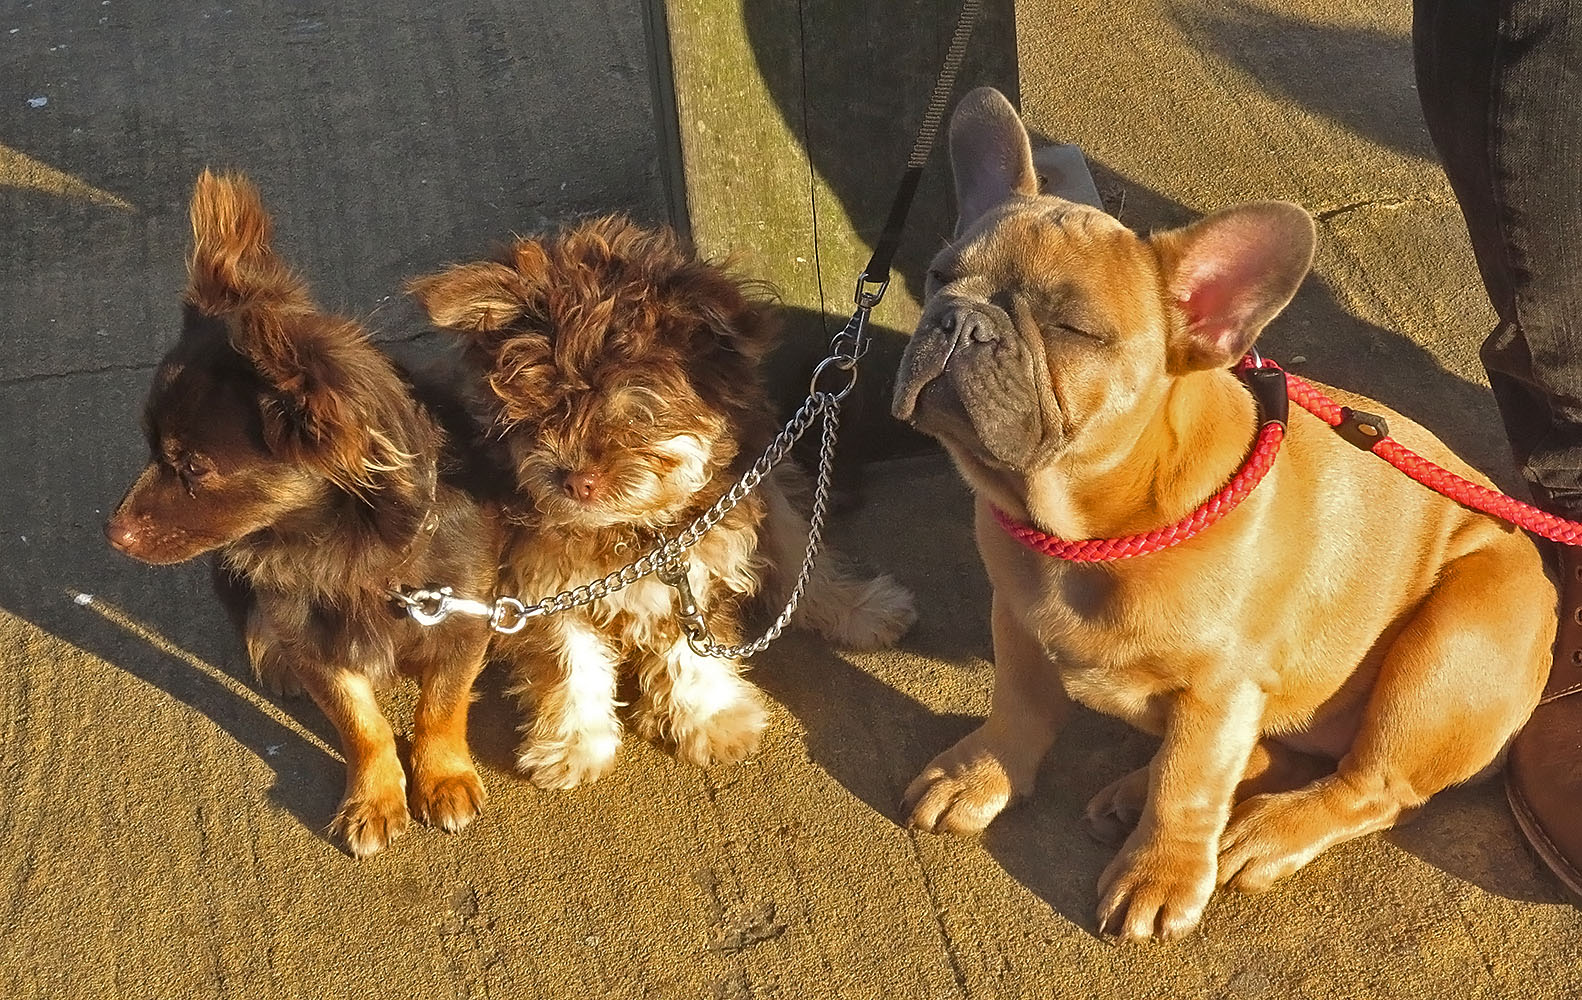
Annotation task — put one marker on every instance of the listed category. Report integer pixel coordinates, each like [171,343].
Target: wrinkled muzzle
[967,378]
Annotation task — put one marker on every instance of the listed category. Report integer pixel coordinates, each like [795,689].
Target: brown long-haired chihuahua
[282,438]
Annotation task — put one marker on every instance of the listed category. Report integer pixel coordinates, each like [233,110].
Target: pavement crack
[1387,202]
[36,377]
[937,911]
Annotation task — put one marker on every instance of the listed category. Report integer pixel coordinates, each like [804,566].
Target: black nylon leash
[877,272]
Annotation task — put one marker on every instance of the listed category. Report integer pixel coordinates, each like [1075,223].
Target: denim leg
[1501,87]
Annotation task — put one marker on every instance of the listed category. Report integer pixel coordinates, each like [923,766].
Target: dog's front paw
[726,737]
[1113,813]
[559,766]
[962,789]
[369,821]
[1153,891]
[447,801]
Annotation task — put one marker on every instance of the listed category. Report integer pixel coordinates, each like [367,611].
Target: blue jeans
[1501,87]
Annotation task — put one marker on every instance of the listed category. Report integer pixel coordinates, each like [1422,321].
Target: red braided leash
[1372,438]
[1440,480]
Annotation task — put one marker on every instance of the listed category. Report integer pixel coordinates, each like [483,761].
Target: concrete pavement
[161,819]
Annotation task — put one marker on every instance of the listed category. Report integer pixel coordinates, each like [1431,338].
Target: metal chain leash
[509,615]
[667,559]
[691,616]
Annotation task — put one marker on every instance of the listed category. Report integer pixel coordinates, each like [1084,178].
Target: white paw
[559,765]
[725,737]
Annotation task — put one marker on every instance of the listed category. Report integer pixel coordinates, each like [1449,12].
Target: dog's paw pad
[367,825]
[450,802]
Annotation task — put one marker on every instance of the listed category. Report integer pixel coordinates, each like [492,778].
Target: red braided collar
[1267,382]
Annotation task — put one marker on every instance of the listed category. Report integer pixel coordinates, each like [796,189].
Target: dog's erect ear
[337,404]
[990,155]
[1229,274]
[473,298]
[232,262]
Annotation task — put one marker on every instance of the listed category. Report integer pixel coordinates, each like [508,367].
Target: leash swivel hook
[688,614]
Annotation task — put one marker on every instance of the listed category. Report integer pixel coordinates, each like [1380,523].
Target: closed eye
[1080,332]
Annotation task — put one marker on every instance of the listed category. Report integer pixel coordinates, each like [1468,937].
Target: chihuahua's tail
[847,608]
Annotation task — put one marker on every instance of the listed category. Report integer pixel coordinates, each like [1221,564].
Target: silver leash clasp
[510,615]
[429,607]
[674,575]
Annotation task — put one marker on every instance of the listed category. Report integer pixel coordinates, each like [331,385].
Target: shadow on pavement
[1360,78]
[172,635]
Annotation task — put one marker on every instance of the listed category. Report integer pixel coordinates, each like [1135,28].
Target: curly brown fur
[281,438]
[625,383]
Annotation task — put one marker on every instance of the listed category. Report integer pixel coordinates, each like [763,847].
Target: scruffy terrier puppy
[625,384]
[281,437]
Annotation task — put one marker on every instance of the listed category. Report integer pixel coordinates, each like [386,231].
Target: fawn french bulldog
[1337,649]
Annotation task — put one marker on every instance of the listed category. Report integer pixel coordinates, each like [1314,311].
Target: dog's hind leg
[846,609]
[1440,711]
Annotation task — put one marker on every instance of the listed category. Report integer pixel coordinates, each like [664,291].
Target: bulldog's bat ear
[1229,274]
[990,155]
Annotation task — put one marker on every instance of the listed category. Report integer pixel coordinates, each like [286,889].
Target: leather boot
[1543,776]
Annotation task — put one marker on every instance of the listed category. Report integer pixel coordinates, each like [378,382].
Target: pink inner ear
[1214,316]
[1219,285]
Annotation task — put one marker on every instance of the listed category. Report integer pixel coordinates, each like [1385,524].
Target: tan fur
[1343,612]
